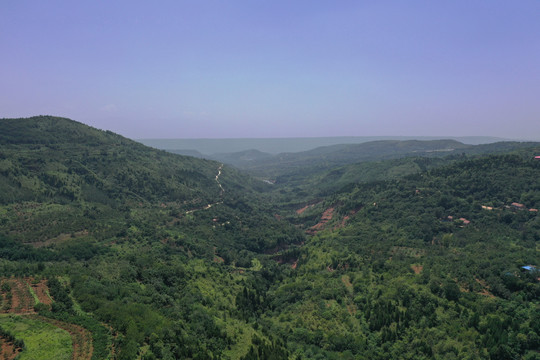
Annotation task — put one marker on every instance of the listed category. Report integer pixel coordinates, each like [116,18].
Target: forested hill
[132,234]
[335,155]
[437,265]
[135,253]
[304,167]
[49,157]
[45,157]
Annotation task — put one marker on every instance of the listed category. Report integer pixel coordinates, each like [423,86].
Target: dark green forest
[164,256]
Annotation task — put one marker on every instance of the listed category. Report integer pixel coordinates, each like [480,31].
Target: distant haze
[273,69]
[280,145]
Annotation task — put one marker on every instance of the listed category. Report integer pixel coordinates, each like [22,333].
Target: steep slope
[155,245]
[48,157]
[58,169]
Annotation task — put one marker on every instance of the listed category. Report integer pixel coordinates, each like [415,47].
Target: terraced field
[8,350]
[80,337]
[19,296]
[41,340]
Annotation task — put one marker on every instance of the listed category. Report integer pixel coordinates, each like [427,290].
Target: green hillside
[336,155]
[306,165]
[56,158]
[146,254]
[388,273]
[127,224]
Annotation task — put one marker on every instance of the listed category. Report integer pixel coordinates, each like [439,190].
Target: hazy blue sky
[273,68]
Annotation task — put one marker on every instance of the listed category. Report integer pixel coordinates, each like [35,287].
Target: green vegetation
[406,258]
[401,280]
[305,164]
[41,340]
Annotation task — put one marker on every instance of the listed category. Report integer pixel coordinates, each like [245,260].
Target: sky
[275,68]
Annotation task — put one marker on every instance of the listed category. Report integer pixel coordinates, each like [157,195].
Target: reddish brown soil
[26,301]
[343,222]
[22,301]
[300,211]
[345,219]
[417,269]
[326,217]
[41,290]
[486,293]
[8,351]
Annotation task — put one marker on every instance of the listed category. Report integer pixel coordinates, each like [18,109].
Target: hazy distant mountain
[241,158]
[305,163]
[336,155]
[281,145]
[188,152]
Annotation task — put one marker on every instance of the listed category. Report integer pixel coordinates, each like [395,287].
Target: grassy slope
[42,340]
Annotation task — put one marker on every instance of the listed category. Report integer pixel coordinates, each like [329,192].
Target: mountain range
[410,249]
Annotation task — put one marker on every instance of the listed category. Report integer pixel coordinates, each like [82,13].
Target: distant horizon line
[335,136]
[210,146]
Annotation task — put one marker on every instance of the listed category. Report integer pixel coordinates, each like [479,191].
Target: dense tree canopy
[163,256]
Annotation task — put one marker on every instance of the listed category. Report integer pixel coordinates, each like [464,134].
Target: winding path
[222,191]
[217,180]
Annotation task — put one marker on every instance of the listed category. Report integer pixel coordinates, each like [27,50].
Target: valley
[390,249]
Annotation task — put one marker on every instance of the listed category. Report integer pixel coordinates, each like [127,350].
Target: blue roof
[529,267]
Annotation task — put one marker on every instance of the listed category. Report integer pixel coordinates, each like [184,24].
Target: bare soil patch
[22,303]
[8,350]
[300,211]
[19,300]
[41,290]
[417,269]
[326,217]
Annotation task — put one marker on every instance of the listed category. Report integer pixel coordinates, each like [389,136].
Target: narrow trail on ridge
[217,180]
[222,191]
